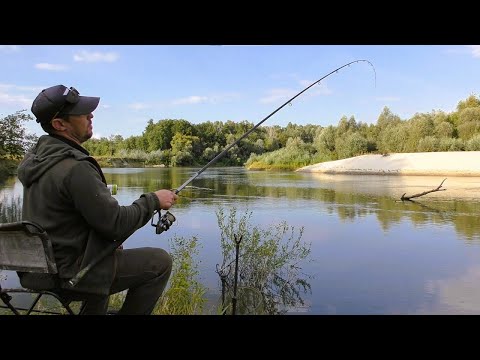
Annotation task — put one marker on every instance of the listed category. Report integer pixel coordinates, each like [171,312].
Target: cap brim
[85,105]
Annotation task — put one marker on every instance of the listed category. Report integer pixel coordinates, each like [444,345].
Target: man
[66,193]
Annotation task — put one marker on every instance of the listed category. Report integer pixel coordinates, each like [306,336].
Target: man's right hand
[167,198]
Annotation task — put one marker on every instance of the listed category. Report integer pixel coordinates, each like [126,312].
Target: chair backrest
[25,246]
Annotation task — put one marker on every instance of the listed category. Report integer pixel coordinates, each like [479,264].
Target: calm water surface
[372,254]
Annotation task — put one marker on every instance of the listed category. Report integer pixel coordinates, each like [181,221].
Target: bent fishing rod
[166,220]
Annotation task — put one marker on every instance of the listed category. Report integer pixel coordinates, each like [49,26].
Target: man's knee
[161,261]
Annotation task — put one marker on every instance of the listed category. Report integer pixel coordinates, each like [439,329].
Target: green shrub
[269,263]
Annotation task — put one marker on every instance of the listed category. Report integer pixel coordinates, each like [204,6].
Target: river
[370,252]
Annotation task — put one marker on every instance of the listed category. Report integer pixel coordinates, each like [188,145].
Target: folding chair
[25,247]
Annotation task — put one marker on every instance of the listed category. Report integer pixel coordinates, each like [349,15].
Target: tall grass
[184,294]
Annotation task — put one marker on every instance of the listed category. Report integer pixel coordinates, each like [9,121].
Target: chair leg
[34,303]
[82,308]
[6,300]
[65,303]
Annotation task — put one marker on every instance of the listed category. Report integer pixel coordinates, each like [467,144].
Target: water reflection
[454,295]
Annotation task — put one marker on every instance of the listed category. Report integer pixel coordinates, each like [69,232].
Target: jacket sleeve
[101,210]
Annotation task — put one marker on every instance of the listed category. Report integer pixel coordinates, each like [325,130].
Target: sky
[200,83]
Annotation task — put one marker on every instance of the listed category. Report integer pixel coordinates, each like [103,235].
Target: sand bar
[451,163]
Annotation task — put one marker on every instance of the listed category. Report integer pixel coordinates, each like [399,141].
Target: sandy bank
[453,163]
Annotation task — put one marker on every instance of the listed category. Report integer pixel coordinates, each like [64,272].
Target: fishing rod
[166,220]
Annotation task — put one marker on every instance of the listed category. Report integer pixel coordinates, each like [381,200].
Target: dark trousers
[144,272]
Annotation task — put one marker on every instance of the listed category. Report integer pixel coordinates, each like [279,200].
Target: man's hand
[167,198]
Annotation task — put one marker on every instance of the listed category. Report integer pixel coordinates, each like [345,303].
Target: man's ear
[58,125]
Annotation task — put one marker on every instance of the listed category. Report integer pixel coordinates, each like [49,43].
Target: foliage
[387,118]
[325,140]
[468,123]
[473,144]
[185,294]
[428,144]
[353,145]
[469,102]
[444,129]
[176,142]
[449,144]
[160,135]
[14,139]
[269,261]
[8,167]
[393,139]
[295,155]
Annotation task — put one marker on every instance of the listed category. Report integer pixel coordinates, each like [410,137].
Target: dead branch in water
[423,193]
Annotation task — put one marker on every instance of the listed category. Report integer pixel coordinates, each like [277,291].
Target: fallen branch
[423,193]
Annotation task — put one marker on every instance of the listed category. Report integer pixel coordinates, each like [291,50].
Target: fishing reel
[164,221]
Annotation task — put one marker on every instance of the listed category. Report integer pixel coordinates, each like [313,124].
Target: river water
[370,252]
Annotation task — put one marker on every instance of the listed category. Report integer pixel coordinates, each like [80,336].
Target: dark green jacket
[65,192]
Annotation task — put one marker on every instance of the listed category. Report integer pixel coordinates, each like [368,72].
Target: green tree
[468,122]
[325,140]
[210,133]
[428,144]
[444,129]
[182,146]
[394,138]
[356,145]
[470,102]
[160,135]
[14,138]
[387,118]
[419,126]
[473,144]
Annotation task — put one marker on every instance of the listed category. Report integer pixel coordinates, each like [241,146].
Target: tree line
[177,142]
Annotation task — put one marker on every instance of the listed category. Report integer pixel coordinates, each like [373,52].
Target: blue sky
[202,83]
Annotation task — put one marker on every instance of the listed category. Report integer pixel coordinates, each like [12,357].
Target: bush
[269,263]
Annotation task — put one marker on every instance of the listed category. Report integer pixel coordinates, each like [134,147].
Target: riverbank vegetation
[14,142]
[177,142]
[270,278]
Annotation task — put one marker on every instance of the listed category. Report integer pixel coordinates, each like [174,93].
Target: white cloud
[9,48]
[475,50]
[7,87]
[90,57]
[191,100]
[51,67]
[15,100]
[18,96]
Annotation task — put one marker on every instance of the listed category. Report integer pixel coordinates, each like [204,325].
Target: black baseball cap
[59,99]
